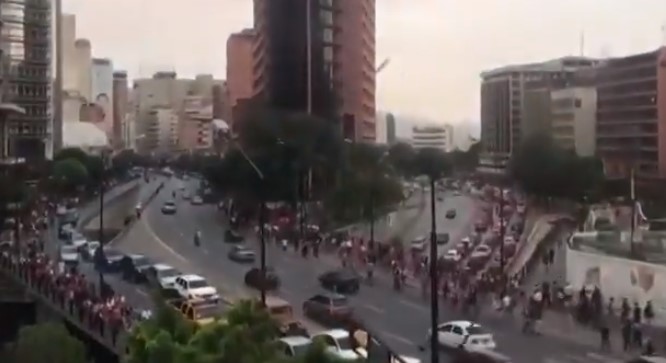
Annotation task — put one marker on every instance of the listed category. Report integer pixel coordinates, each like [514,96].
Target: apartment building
[120,107]
[515,102]
[161,127]
[239,66]
[631,114]
[326,68]
[573,119]
[195,129]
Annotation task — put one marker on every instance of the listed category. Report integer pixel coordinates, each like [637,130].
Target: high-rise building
[120,107]
[515,101]
[631,114]
[391,136]
[195,125]
[67,39]
[340,37]
[353,57]
[239,66]
[573,119]
[102,95]
[27,82]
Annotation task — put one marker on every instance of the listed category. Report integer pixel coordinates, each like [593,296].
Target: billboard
[99,109]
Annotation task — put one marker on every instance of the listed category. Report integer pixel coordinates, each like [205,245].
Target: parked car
[133,268]
[329,309]
[452,256]
[162,276]
[242,254]
[481,251]
[338,343]
[442,238]
[113,258]
[196,200]
[294,346]
[271,281]
[69,255]
[343,281]
[464,335]
[77,240]
[418,243]
[450,214]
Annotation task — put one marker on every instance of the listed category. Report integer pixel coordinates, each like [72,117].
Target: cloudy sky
[437,47]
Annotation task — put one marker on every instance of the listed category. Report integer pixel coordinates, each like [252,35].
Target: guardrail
[112,336]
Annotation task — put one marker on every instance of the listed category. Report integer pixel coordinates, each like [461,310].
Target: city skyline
[406,33]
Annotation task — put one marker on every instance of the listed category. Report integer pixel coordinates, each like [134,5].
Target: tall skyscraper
[390,129]
[285,31]
[353,51]
[239,66]
[333,44]
[26,56]
[120,101]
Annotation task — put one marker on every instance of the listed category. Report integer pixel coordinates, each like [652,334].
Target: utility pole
[262,254]
[502,232]
[434,280]
[632,191]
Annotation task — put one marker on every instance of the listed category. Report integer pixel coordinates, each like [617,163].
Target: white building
[435,136]
[83,135]
[161,131]
[128,132]
[82,68]
[573,119]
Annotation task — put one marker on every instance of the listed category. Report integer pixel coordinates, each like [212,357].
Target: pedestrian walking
[626,335]
[605,337]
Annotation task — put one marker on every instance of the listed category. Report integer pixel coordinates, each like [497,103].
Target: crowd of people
[95,308]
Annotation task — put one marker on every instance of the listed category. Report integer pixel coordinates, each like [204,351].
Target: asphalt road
[401,319]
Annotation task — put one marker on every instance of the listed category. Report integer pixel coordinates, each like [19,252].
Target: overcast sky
[437,47]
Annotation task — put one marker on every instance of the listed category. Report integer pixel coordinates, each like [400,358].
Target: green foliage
[71,153]
[48,342]
[433,163]
[69,174]
[466,161]
[402,156]
[546,170]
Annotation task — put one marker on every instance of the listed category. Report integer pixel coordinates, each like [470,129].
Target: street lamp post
[500,213]
[102,190]
[434,280]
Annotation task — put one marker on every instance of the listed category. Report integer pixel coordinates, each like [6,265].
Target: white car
[78,240]
[481,251]
[197,200]
[195,287]
[163,275]
[69,255]
[464,334]
[295,346]
[452,255]
[339,343]
[419,243]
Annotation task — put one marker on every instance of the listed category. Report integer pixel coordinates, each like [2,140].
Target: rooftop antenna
[663,34]
[582,43]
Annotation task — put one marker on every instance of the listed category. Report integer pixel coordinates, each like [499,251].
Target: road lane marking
[399,338]
[374,308]
[162,243]
[141,292]
[413,305]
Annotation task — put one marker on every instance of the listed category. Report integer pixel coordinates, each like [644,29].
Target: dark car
[231,236]
[242,254]
[341,281]
[254,279]
[442,238]
[111,262]
[133,268]
[329,309]
[451,213]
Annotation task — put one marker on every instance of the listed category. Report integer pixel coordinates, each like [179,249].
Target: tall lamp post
[434,278]
[262,222]
[102,190]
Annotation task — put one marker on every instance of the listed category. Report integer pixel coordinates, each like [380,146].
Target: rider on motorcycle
[197,238]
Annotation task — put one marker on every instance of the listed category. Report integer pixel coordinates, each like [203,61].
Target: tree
[71,153]
[433,163]
[123,161]
[48,342]
[94,164]
[466,161]
[69,174]
[402,156]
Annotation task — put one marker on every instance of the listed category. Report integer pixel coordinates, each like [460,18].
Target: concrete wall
[619,278]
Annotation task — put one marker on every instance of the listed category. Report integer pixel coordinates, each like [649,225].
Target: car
[283,314]
[465,335]
[327,308]
[481,251]
[452,256]
[456,194]
[231,236]
[338,342]
[442,238]
[186,195]
[271,281]
[133,267]
[295,346]
[65,231]
[69,255]
[169,207]
[450,214]
[88,251]
[196,287]
[242,254]
[78,240]
[162,276]
[343,281]
[418,243]
[113,258]
[196,200]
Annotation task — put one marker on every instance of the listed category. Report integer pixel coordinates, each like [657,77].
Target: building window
[326,17]
[328,54]
[328,35]
[578,103]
